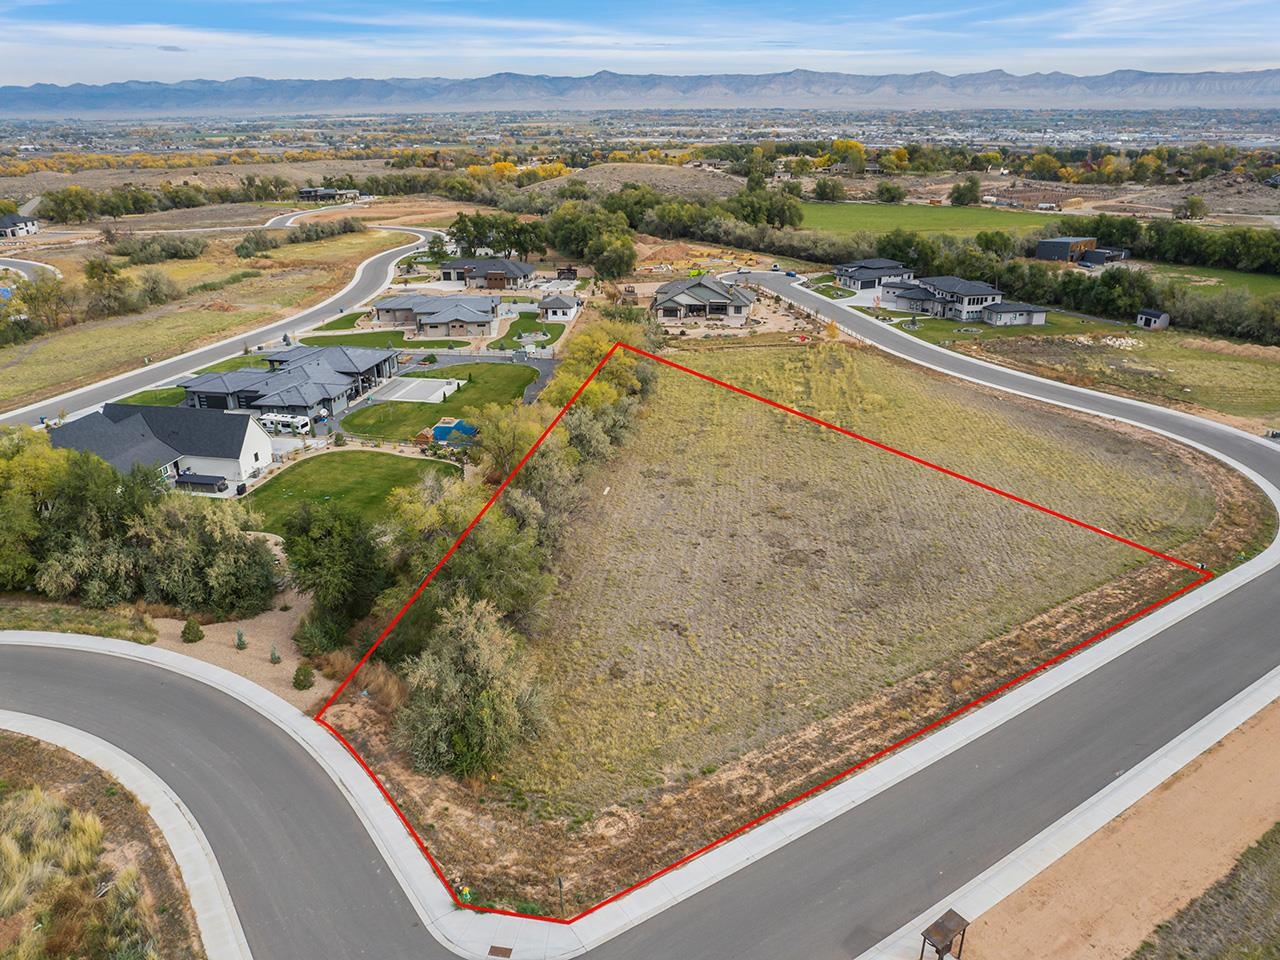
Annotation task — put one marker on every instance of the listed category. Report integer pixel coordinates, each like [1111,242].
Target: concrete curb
[211,901]
[33,263]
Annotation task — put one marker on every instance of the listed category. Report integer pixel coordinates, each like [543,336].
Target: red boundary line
[940,721]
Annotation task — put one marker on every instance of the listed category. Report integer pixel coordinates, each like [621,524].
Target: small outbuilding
[1153,320]
[1065,249]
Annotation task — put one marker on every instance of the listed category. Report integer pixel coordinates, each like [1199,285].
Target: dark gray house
[196,448]
[491,273]
[454,315]
[694,298]
[312,382]
[1065,249]
[871,274]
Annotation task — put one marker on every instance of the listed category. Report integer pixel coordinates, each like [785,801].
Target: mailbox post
[942,933]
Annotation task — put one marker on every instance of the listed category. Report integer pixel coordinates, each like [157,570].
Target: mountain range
[798,89]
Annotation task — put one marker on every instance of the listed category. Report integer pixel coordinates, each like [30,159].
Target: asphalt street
[369,281]
[304,874]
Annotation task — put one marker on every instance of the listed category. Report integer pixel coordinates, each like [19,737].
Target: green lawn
[359,479]
[344,322]
[528,323]
[404,420]
[163,397]
[938,330]
[236,363]
[883,217]
[1213,279]
[390,339]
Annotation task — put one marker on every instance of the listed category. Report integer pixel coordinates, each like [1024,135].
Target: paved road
[831,894]
[28,268]
[371,278]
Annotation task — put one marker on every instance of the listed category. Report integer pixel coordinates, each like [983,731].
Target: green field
[163,397]
[528,323]
[390,339]
[236,363]
[883,217]
[938,330]
[404,420]
[1214,279]
[345,322]
[359,479]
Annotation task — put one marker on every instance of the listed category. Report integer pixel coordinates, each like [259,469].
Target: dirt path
[1105,897]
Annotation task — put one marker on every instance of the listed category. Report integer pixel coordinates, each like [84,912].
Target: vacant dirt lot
[1122,885]
[129,835]
[677,181]
[755,603]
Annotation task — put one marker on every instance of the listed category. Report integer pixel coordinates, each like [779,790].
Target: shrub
[304,677]
[275,654]
[241,643]
[191,632]
[318,635]
[339,439]
[887,192]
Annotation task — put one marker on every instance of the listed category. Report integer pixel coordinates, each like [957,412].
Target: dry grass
[22,612]
[382,683]
[749,573]
[291,277]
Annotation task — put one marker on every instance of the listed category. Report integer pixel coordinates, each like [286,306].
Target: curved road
[28,268]
[305,875]
[371,277]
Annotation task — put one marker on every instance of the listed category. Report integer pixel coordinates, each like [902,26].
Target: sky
[99,41]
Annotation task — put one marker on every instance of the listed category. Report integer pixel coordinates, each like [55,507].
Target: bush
[275,654]
[191,632]
[966,193]
[887,192]
[304,677]
[828,189]
[318,635]
[241,643]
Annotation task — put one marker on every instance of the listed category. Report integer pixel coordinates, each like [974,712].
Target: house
[491,274]
[1153,319]
[311,382]
[474,315]
[327,195]
[200,449]
[16,225]
[952,297]
[1065,249]
[1009,313]
[558,308]
[871,274]
[692,298]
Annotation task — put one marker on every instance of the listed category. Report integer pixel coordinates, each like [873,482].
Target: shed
[1153,319]
[1065,249]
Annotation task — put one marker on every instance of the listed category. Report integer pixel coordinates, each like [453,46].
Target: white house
[1010,313]
[16,225]
[952,297]
[558,308]
[195,448]
[1153,319]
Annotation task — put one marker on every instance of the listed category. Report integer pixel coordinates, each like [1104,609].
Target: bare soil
[1107,895]
[509,842]
[129,834]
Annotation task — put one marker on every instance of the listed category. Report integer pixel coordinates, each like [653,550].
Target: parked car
[775,267]
[791,273]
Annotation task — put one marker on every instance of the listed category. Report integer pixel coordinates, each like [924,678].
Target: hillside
[799,89]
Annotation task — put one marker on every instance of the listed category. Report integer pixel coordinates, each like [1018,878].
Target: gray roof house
[952,297]
[455,315]
[871,273]
[1008,313]
[302,381]
[16,225]
[491,273]
[702,297]
[558,307]
[192,448]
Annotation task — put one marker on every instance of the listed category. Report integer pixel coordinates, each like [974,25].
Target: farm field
[1237,379]
[292,277]
[359,479]
[403,420]
[755,602]
[883,217]
[1214,279]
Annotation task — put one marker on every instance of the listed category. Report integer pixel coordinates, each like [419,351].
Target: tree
[887,192]
[191,632]
[1043,166]
[335,556]
[828,189]
[966,193]
[613,255]
[471,695]
[1190,208]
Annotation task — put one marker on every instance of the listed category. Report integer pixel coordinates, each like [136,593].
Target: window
[255,456]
